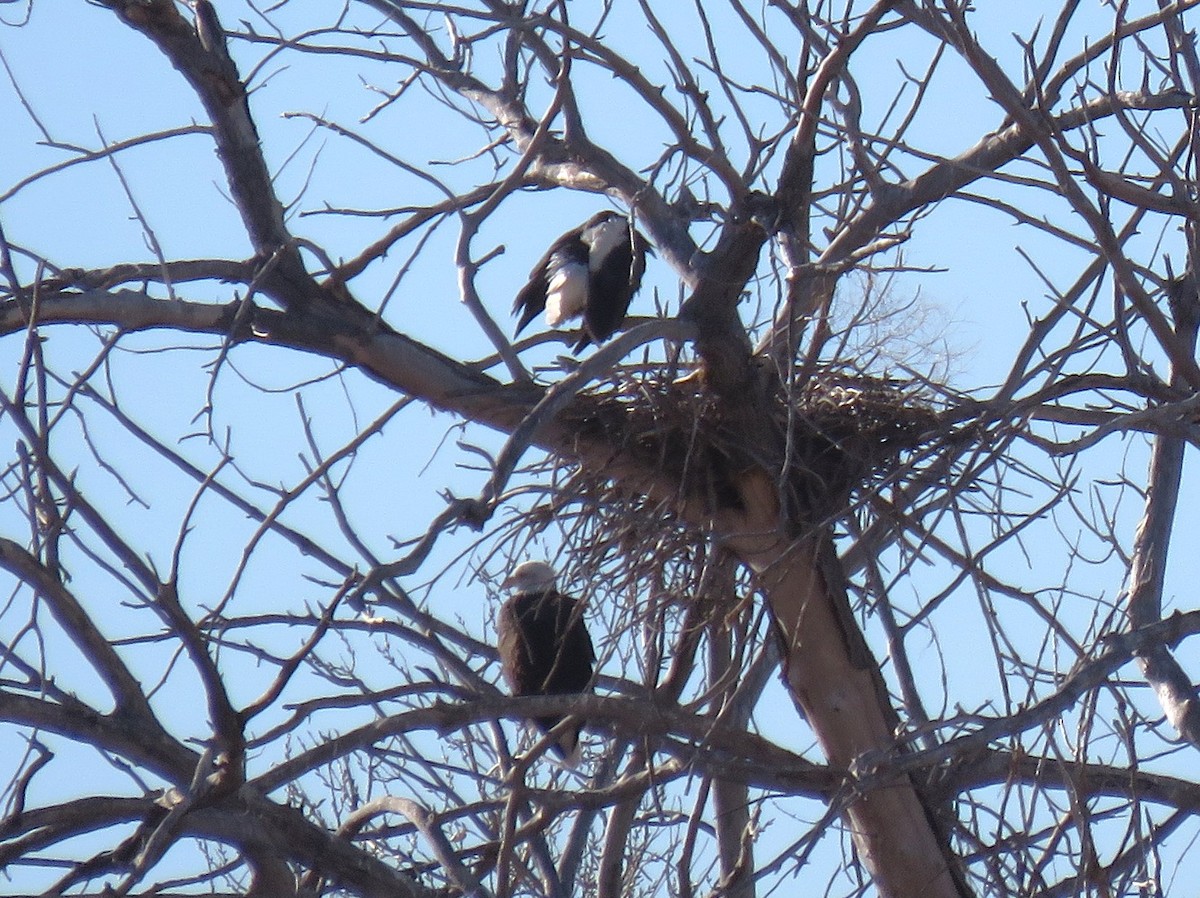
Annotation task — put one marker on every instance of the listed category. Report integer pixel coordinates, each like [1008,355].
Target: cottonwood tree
[873,615]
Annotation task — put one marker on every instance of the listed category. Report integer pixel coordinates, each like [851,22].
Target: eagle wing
[545,649]
[616,283]
[566,252]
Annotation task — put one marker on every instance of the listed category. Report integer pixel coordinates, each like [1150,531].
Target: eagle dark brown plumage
[545,648]
[592,272]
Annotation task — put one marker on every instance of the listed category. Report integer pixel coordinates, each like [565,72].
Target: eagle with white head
[544,646]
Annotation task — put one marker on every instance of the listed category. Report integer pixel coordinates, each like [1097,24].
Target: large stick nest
[819,441]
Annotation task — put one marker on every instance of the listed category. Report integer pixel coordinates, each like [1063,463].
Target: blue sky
[112,86]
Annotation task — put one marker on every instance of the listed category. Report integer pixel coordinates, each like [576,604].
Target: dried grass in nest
[831,434]
[844,426]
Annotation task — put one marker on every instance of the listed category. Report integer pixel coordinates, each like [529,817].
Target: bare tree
[865,609]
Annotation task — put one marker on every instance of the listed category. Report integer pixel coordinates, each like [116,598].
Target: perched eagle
[544,645]
[592,270]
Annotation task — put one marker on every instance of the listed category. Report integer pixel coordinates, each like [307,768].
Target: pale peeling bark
[889,824]
[1171,683]
[834,681]
[838,689]
[731,804]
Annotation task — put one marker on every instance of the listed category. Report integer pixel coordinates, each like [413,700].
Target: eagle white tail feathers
[566,294]
[590,272]
[571,748]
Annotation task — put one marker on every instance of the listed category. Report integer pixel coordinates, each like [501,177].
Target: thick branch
[935,184]
[1176,694]
[837,686]
[199,54]
[78,626]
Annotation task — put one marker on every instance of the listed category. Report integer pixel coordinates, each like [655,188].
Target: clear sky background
[77,79]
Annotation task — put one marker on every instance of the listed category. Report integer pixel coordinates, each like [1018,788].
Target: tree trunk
[838,688]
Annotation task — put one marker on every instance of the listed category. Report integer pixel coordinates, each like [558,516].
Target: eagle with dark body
[544,646]
[591,271]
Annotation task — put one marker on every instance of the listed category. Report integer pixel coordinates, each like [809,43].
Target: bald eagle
[544,645]
[592,270]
